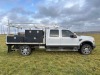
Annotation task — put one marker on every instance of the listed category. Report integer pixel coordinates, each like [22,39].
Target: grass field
[41,62]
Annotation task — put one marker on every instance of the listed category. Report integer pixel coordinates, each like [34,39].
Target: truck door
[52,37]
[66,40]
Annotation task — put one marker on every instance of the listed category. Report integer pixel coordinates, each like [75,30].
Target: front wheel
[86,49]
[25,50]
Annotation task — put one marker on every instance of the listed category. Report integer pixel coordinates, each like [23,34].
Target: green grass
[41,62]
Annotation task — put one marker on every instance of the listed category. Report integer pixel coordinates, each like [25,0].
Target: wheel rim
[25,50]
[86,49]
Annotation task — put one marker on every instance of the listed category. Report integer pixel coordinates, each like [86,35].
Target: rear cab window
[54,33]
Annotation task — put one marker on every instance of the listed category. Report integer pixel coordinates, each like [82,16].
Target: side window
[54,33]
[66,33]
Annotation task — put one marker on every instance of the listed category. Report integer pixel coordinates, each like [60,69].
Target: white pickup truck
[57,39]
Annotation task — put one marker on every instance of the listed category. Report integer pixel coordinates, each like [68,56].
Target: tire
[86,49]
[25,50]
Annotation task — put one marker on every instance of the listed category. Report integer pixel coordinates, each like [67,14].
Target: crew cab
[52,39]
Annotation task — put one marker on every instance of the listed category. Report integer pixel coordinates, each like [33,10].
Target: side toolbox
[15,38]
[35,36]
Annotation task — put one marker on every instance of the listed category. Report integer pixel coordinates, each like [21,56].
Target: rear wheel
[86,49]
[25,50]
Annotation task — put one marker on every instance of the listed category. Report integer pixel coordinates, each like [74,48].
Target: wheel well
[86,42]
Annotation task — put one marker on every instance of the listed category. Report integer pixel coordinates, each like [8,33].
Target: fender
[86,42]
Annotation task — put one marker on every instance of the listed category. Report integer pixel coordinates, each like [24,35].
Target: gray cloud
[76,13]
[85,15]
[93,3]
[20,10]
[18,15]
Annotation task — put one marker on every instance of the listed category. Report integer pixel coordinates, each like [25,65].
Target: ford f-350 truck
[52,39]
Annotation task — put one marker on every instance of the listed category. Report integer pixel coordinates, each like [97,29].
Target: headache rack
[31,26]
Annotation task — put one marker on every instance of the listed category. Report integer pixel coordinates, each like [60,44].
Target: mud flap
[9,48]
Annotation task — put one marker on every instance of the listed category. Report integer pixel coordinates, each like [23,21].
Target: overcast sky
[79,15]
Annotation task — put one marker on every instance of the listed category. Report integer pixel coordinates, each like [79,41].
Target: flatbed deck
[24,43]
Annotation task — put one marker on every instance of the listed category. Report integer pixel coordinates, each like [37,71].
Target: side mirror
[73,36]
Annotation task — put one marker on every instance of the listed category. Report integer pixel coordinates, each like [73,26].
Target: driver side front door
[66,40]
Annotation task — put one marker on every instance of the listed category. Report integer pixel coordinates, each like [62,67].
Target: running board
[61,49]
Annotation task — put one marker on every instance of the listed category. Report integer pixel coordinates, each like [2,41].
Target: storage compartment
[34,33]
[34,36]
[31,36]
[35,40]
[15,38]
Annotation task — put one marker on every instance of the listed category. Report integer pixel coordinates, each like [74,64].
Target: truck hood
[86,37]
